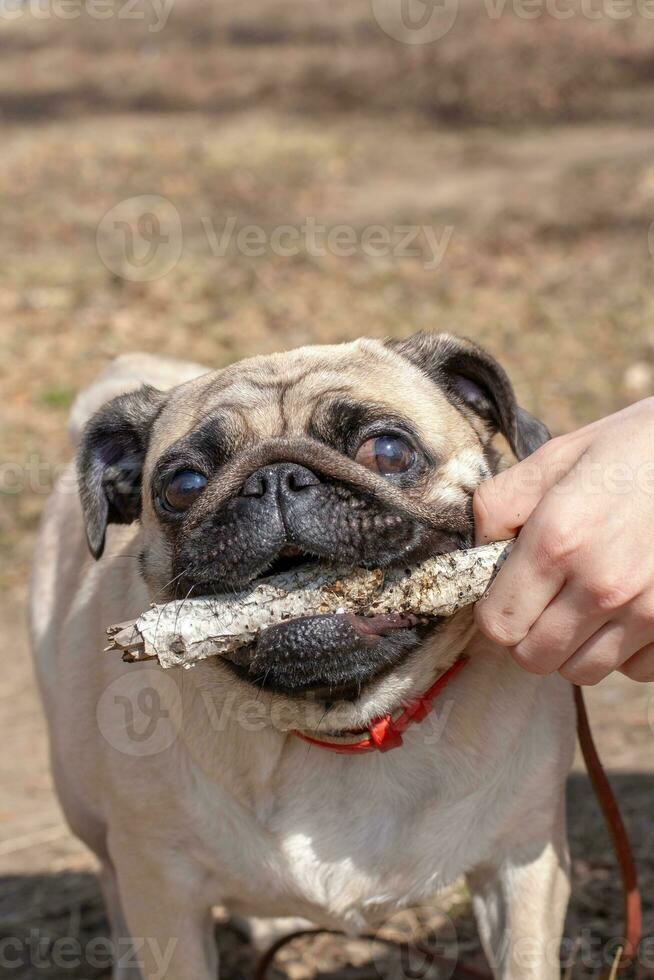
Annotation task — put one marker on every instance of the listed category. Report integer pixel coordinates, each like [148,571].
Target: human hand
[577,592]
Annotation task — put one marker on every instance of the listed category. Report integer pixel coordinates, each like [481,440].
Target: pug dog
[195,788]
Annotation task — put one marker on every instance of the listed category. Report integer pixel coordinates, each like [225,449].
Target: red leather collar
[385,733]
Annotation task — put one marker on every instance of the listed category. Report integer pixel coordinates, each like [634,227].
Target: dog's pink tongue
[370,628]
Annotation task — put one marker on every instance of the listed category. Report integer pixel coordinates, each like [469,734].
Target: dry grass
[548,262]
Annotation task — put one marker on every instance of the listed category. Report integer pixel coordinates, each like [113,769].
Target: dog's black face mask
[286,515]
[363,455]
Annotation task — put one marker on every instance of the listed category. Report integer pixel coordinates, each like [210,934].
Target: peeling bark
[182,633]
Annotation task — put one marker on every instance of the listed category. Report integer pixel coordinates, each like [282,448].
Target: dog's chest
[345,841]
[346,844]
[357,870]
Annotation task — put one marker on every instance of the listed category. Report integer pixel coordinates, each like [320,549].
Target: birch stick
[183,633]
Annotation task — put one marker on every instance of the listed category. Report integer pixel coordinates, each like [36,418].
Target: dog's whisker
[165,604]
[263,684]
[181,606]
[172,581]
[324,715]
[118,557]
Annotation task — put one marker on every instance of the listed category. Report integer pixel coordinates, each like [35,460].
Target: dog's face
[365,453]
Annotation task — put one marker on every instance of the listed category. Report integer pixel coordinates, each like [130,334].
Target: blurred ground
[525,145]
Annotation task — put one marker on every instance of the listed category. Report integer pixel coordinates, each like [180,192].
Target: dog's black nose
[279,480]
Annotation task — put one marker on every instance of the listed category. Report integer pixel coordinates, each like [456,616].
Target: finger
[522,590]
[628,630]
[565,625]
[610,647]
[640,666]
[504,503]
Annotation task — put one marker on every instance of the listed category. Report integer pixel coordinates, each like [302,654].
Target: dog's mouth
[327,659]
[289,558]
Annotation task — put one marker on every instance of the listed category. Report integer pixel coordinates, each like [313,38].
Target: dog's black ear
[110,461]
[474,380]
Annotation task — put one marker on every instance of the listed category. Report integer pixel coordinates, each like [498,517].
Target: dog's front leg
[168,916]
[520,906]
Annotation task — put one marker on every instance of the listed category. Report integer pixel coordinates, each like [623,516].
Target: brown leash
[623,852]
[628,874]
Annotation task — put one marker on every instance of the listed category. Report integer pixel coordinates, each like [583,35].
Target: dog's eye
[183,489]
[386,455]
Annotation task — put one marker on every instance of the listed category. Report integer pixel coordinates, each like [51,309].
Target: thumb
[504,503]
